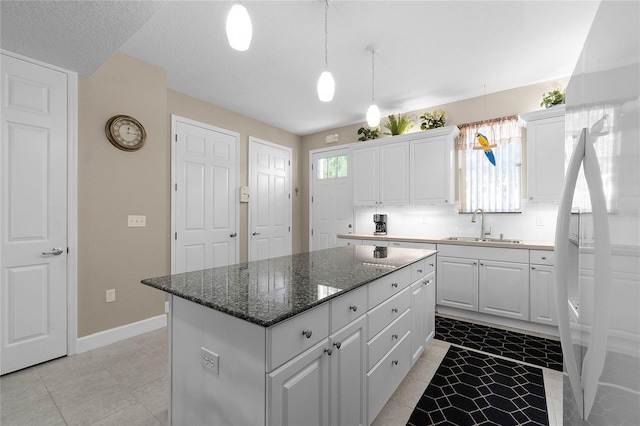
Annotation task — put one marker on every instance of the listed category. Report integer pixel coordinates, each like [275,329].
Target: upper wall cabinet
[432,166]
[381,174]
[545,154]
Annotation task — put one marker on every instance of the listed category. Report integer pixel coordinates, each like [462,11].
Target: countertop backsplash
[537,221]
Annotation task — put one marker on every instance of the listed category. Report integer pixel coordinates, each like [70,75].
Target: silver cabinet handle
[337,344]
[233,234]
[431,264]
[394,337]
[394,362]
[419,271]
[54,252]
[353,308]
[256,233]
[533,268]
[394,285]
[394,310]
[328,351]
[307,333]
[544,257]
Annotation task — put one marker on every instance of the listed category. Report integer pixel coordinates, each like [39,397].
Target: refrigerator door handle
[561,270]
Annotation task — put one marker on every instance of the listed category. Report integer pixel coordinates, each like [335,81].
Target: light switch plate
[137,221]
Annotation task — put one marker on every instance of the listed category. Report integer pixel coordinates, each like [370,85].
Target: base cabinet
[542,292]
[457,282]
[503,289]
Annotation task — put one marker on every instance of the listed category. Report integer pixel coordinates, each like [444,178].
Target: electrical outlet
[111,295]
[210,361]
[136,221]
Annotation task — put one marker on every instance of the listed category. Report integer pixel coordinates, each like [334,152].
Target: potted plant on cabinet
[553,97]
[368,133]
[398,125]
[433,120]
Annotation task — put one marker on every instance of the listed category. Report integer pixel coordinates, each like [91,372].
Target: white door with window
[270,205]
[33,307]
[331,198]
[204,196]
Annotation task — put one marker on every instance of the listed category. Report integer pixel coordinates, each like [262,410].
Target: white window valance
[499,131]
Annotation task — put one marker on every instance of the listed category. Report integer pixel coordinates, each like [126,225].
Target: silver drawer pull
[328,351]
[394,310]
[394,285]
[337,344]
[431,264]
[544,258]
[394,362]
[307,333]
[419,271]
[533,268]
[353,308]
[394,337]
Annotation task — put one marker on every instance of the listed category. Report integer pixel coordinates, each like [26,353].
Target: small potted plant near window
[433,120]
[553,97]
[397,125]
[368,133]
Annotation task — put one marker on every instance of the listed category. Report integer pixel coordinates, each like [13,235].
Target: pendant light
[326,85]
[239,30]
[373,113]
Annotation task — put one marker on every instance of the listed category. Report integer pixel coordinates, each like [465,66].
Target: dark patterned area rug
[472,388]
[520,347]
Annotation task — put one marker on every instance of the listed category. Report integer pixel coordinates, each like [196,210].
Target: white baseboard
[107,337]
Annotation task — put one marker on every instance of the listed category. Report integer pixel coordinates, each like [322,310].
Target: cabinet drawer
[430,263]
[288,339]
[387,338]
[348,307]
[418,270]
[385,287]
[541,257]
[382,315]
[385,377]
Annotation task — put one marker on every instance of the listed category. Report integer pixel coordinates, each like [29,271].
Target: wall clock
[125,133]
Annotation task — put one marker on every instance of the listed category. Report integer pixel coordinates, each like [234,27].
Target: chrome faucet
[473,220]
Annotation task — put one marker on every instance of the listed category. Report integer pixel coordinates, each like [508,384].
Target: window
[332,167]
[493,188]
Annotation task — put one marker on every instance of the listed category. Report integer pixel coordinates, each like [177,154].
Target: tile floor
[126,384]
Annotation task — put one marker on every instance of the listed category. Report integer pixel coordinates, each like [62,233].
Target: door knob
[256,233]
[54,252]
[233,235]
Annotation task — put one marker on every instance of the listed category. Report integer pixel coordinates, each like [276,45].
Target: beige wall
[499,104]
[113,184]
[195,109]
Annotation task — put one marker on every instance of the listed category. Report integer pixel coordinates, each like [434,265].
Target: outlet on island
[111,295]
[210,361]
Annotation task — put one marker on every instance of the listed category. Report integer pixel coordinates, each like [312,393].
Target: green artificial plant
[399,124]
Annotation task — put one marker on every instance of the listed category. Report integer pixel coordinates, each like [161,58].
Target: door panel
[270,207]
[332,200]
[205,196]
[33,299]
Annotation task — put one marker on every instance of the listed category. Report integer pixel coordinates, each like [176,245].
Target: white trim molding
[113,335]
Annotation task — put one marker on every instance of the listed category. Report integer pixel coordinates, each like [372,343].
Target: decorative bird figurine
[482,139]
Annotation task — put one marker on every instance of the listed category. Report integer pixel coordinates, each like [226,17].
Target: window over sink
[490,168]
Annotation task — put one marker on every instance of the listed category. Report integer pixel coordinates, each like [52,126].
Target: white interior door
[33,306]
[270,206]
[205,194]
[331,198]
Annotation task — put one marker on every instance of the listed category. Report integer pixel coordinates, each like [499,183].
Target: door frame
[72,197]
[174,156]
[252,140]
[311,154]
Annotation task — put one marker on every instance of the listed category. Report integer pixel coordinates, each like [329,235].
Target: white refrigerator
[597,243]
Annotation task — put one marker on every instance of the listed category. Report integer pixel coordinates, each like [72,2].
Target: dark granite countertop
[268,291]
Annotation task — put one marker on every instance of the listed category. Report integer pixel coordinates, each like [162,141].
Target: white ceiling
[430,52]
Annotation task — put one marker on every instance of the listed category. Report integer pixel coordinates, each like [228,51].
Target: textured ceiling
[430,52]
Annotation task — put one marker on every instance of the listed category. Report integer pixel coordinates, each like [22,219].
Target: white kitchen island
[315,338]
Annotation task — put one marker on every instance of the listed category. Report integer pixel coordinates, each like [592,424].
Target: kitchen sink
[483,240]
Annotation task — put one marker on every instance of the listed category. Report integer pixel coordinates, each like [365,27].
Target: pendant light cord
[373,75]
[326,21]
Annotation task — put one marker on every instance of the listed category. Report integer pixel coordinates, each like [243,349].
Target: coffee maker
[381,224]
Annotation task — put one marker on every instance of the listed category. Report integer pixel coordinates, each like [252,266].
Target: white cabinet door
[545,154]
[366,174]
[394,174]
[431,171]
[348,362]
[381,175]
[504,289]
[457,282]
[418,319]
[430,296]
[299,390]
[542,295]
